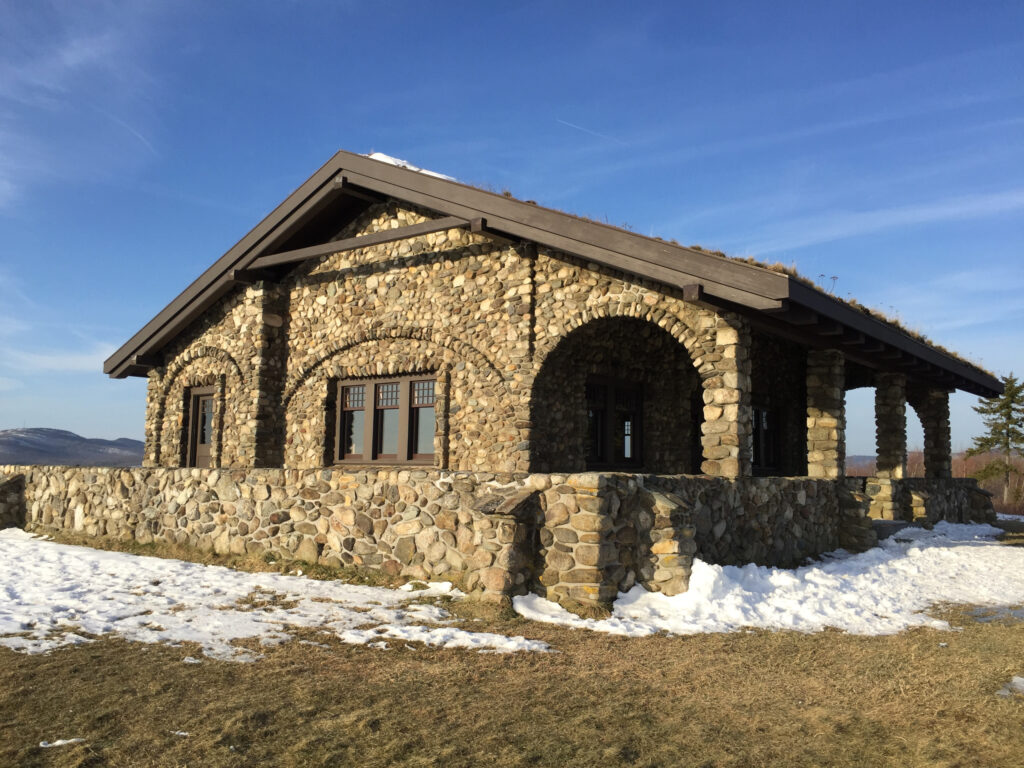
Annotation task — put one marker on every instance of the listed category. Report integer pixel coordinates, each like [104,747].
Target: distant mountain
[38,445]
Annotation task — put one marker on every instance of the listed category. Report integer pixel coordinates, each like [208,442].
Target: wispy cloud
[66,72]
[830,226]
[58,361]
[6,384]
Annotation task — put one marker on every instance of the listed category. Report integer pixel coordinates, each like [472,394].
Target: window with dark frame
[614,412]
[385,420]
[199,451]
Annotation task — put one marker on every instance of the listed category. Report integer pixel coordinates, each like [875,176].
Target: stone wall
[578,538]
[480,314]
[777,521]
[955,500]
[416,523]
[220,350]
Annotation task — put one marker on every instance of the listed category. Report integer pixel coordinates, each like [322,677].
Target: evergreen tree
[1004,420]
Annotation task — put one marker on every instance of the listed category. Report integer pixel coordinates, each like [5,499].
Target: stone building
[397,370]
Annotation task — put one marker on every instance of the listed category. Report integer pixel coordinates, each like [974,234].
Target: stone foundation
[576,538]
[955,500]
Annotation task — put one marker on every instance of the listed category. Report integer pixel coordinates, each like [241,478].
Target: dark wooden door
[201,430]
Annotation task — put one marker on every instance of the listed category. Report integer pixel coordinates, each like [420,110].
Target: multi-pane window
[614,411]
[200,427]
[422,420]
[388,421]
[352,415]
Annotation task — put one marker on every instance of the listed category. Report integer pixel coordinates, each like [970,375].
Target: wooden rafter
[363,241]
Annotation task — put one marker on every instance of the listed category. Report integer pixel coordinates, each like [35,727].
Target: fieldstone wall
[955,500]
[481,314]
[222,349]
[579,538]
[778,521]
[453,303]
[416,523]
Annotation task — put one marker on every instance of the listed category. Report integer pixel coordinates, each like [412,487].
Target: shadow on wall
[12,501]
[621,354]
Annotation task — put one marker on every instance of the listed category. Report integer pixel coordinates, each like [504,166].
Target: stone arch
[476,418]
[201,366]
[667,321]
[465,352]
[617,348]
[932,409]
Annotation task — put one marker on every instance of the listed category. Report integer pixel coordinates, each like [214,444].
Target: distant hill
[38,445]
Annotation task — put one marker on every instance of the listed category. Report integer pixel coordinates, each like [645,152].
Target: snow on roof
[407,165]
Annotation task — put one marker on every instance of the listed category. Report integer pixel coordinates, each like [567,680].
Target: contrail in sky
[592,133]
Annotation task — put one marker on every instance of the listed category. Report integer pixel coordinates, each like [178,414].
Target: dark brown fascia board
[363,241]
[216,279]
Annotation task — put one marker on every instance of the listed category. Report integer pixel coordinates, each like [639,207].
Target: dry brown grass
[747,699]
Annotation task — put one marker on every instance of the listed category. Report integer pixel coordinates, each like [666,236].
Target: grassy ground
[745,699]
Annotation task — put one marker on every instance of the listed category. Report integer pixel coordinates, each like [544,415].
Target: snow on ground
[881,591]
[1006,516]
[56,594]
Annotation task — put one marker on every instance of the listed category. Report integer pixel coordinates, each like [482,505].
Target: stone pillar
[889,499]
[727,428]
[154,418]
[891,425]
[271,304]
[826,414]
[932,406]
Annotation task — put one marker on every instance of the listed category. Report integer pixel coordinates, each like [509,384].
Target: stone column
[826,414]
[891,425]
[154,418]
[727,429]
[889,499]
[932,406]
[271,353]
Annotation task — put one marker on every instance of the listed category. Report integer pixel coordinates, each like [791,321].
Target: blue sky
[880,143]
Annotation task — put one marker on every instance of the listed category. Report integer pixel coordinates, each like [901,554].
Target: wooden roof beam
[794,314]
[363,241]
[251,276]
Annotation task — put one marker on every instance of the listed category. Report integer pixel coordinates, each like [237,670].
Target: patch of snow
[1013,688]
[59,743]
[1005,516]
[180,733]
[54,591]
[407,165]
[882,591]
